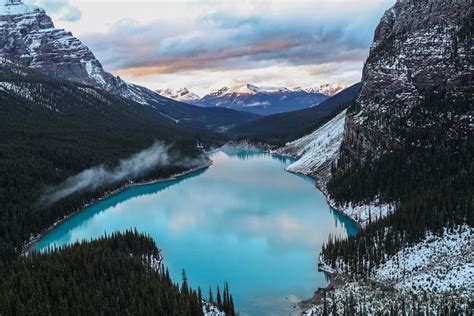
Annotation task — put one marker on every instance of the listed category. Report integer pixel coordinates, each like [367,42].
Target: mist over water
[155,156]
[243,220]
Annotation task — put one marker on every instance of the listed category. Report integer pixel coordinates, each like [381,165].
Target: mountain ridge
[28,36]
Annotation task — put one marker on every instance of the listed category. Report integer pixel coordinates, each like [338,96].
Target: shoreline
[335,279]
[27,246]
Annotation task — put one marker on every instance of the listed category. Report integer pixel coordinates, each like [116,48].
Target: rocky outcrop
[28,36]
[422,51]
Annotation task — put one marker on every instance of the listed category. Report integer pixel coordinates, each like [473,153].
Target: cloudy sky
[208,44]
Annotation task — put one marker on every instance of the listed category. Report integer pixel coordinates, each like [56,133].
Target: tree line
[107,276]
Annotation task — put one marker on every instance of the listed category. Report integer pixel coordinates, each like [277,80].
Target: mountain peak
[327,89]
[248,88]
[28,36]
[179,94]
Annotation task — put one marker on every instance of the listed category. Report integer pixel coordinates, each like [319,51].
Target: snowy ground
[365,214]
[437,264]
[436,271]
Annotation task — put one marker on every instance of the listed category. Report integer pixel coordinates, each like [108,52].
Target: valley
[229,211]
[254,199]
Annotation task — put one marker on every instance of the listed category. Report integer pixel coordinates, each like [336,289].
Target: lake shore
[27,247]
[335,279]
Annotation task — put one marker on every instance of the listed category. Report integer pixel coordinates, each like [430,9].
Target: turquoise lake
[243,220]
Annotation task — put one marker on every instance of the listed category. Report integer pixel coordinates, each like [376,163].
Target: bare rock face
[28,36]
[422,52]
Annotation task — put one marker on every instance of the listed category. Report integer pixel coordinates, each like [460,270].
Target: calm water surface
[243,220]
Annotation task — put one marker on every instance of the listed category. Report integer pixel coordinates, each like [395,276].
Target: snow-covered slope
[437,264]
[316,150]
[180,94]
[437,271]
[315,153]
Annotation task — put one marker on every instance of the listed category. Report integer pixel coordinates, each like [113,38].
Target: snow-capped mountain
[28,36]
[264,100]
[327,89]
[251,89]
[180,94]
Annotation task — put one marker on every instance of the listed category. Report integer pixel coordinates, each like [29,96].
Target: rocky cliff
[28,36]
[407,142]
[422,52]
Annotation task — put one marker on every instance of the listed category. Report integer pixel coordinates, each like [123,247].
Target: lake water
[243,220]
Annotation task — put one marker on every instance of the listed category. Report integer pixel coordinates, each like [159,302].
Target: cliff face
[422,52]
[28,36]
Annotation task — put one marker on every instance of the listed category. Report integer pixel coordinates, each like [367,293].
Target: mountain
[327,89]
[57,128]
[404,169]
[180,94]
[28,36]
[261,100]
[280,128]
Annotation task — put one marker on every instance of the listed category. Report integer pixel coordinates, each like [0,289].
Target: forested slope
[52,129]
[113,275]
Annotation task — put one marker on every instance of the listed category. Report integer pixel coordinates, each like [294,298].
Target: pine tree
[218,298]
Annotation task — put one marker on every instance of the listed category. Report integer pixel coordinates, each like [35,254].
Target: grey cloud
[71,15]
[63,8]
[222,40]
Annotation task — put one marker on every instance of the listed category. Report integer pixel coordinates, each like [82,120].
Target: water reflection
[243,220]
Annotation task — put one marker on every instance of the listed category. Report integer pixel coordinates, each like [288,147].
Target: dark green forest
[432,184]
[53,129]
[112,275]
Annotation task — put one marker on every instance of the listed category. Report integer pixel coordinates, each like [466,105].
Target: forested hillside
[52,129]
[115,275]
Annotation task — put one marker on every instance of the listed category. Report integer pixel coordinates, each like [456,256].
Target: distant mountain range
[262,100]
[180,94]
[279,128]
